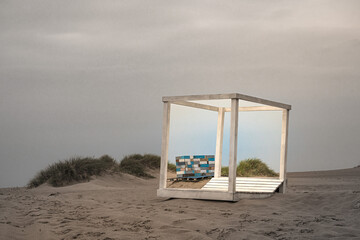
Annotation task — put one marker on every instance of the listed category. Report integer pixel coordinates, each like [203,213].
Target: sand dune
[318,205]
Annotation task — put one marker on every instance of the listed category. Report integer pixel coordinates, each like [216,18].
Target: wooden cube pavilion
[232,188]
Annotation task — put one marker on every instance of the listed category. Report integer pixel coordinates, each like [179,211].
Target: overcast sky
[86,77]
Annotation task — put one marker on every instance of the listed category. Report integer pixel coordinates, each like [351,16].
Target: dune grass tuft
[137,164]
[225,171]
[254,167]
[171,167]
[251,167]
[76,169]
[80,169]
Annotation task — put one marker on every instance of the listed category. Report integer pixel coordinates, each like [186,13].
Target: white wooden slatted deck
[245,184]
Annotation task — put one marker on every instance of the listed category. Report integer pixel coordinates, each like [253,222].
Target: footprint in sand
[225,233]
[306,230]
[357,205]
[271,234]
[183,220]
[175,229]
[212,231]
[95,234]
[226,214]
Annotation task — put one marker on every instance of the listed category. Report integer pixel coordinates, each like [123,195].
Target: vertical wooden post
[219,142]
[233,144]
[164,145]
[283,151]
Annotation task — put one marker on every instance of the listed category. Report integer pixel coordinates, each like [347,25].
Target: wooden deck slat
[244,184]
[245,190]
[240,186]
[253,185]
[250,183]
[248,179]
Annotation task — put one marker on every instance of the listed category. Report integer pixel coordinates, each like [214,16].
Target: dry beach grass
[318,205]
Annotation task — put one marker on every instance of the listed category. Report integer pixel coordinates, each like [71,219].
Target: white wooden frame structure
[231,194]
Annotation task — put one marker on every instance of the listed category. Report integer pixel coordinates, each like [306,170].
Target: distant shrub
[225,171]
[81,169]
[251,167]
[137,164]
[171,167]
[151,161]
[254,167]
[76,169]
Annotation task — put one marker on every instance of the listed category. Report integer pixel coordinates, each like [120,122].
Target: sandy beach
[318,205]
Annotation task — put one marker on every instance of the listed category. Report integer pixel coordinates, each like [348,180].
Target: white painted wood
[283,151]
[262,101]
[242,189]
[257,108]
[164,145]
[208,194]
[243,184]
[248,179]
[197,105]
[198,97]
[233,145]
[255,184]
[245,190]
[244,180]
[229,189]
[219,142]
[195,194]
[252,186]
[241,181]
[226,96]
[246,184]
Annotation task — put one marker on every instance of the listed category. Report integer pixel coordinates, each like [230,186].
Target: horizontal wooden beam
[260,108]
[209,194]
[199,97]
[195,194]
[226,96]
[196,105]
[262,101]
